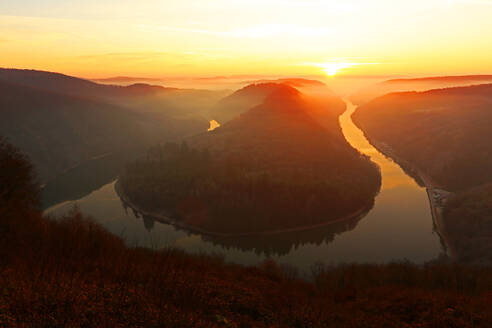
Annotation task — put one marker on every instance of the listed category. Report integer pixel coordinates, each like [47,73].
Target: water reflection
[83,179]
[213,125]
[284,243]
[278,244]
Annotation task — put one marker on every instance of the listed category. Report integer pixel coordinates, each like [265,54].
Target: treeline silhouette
[284,243]
[70,272]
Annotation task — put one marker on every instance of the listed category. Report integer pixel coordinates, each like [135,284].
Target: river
[398,227]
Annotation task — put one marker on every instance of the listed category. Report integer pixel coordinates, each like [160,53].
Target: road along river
[398,227]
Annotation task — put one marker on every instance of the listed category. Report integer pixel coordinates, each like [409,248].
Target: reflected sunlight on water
[213,125]
[391,172]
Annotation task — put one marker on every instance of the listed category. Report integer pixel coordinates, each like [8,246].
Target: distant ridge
[471,90]
[125,79]
[450,78]
[293,82]
[74,86]
[416,84]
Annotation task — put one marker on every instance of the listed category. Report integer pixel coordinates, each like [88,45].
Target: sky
[151,38]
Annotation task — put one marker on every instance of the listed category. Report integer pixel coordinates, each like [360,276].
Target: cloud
[273,30]
[337,62]
[256,31]
[468,2]
[184,58]
[333,67]
[132,55]
[332,5]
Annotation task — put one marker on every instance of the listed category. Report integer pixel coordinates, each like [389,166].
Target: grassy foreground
[72,273]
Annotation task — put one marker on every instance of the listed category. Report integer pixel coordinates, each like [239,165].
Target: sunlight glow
[331,69]
[334,67]
[155,38]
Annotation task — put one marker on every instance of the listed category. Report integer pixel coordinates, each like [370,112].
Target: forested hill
[242,100]
[416,84]
[74,86]
[141,97]
[447,135]
[60,131]
[445,132]
[274,167]
[255,94]
[285,120]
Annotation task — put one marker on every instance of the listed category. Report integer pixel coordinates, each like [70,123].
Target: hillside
[242,100]
[416,84]
[141,97]
[60,132]
[283,114]
[274,167]
[74,86]
[126,80]
[254,94]
[445,134]
[71,272]
[469,224]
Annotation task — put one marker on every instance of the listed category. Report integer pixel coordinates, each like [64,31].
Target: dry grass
[73,273]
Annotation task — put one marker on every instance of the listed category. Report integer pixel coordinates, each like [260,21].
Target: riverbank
[163,218]
[432,189]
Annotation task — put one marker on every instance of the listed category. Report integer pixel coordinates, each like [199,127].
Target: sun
[331,69]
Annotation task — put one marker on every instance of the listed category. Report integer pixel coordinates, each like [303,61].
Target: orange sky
[97,38]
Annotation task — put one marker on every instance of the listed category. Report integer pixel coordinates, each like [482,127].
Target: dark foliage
[18,187]
[469,223]
[445,133]
[60,132]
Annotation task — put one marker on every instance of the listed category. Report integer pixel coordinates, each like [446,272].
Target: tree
[18,186]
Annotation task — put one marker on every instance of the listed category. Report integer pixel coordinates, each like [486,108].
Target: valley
[400,216]
[240,164]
